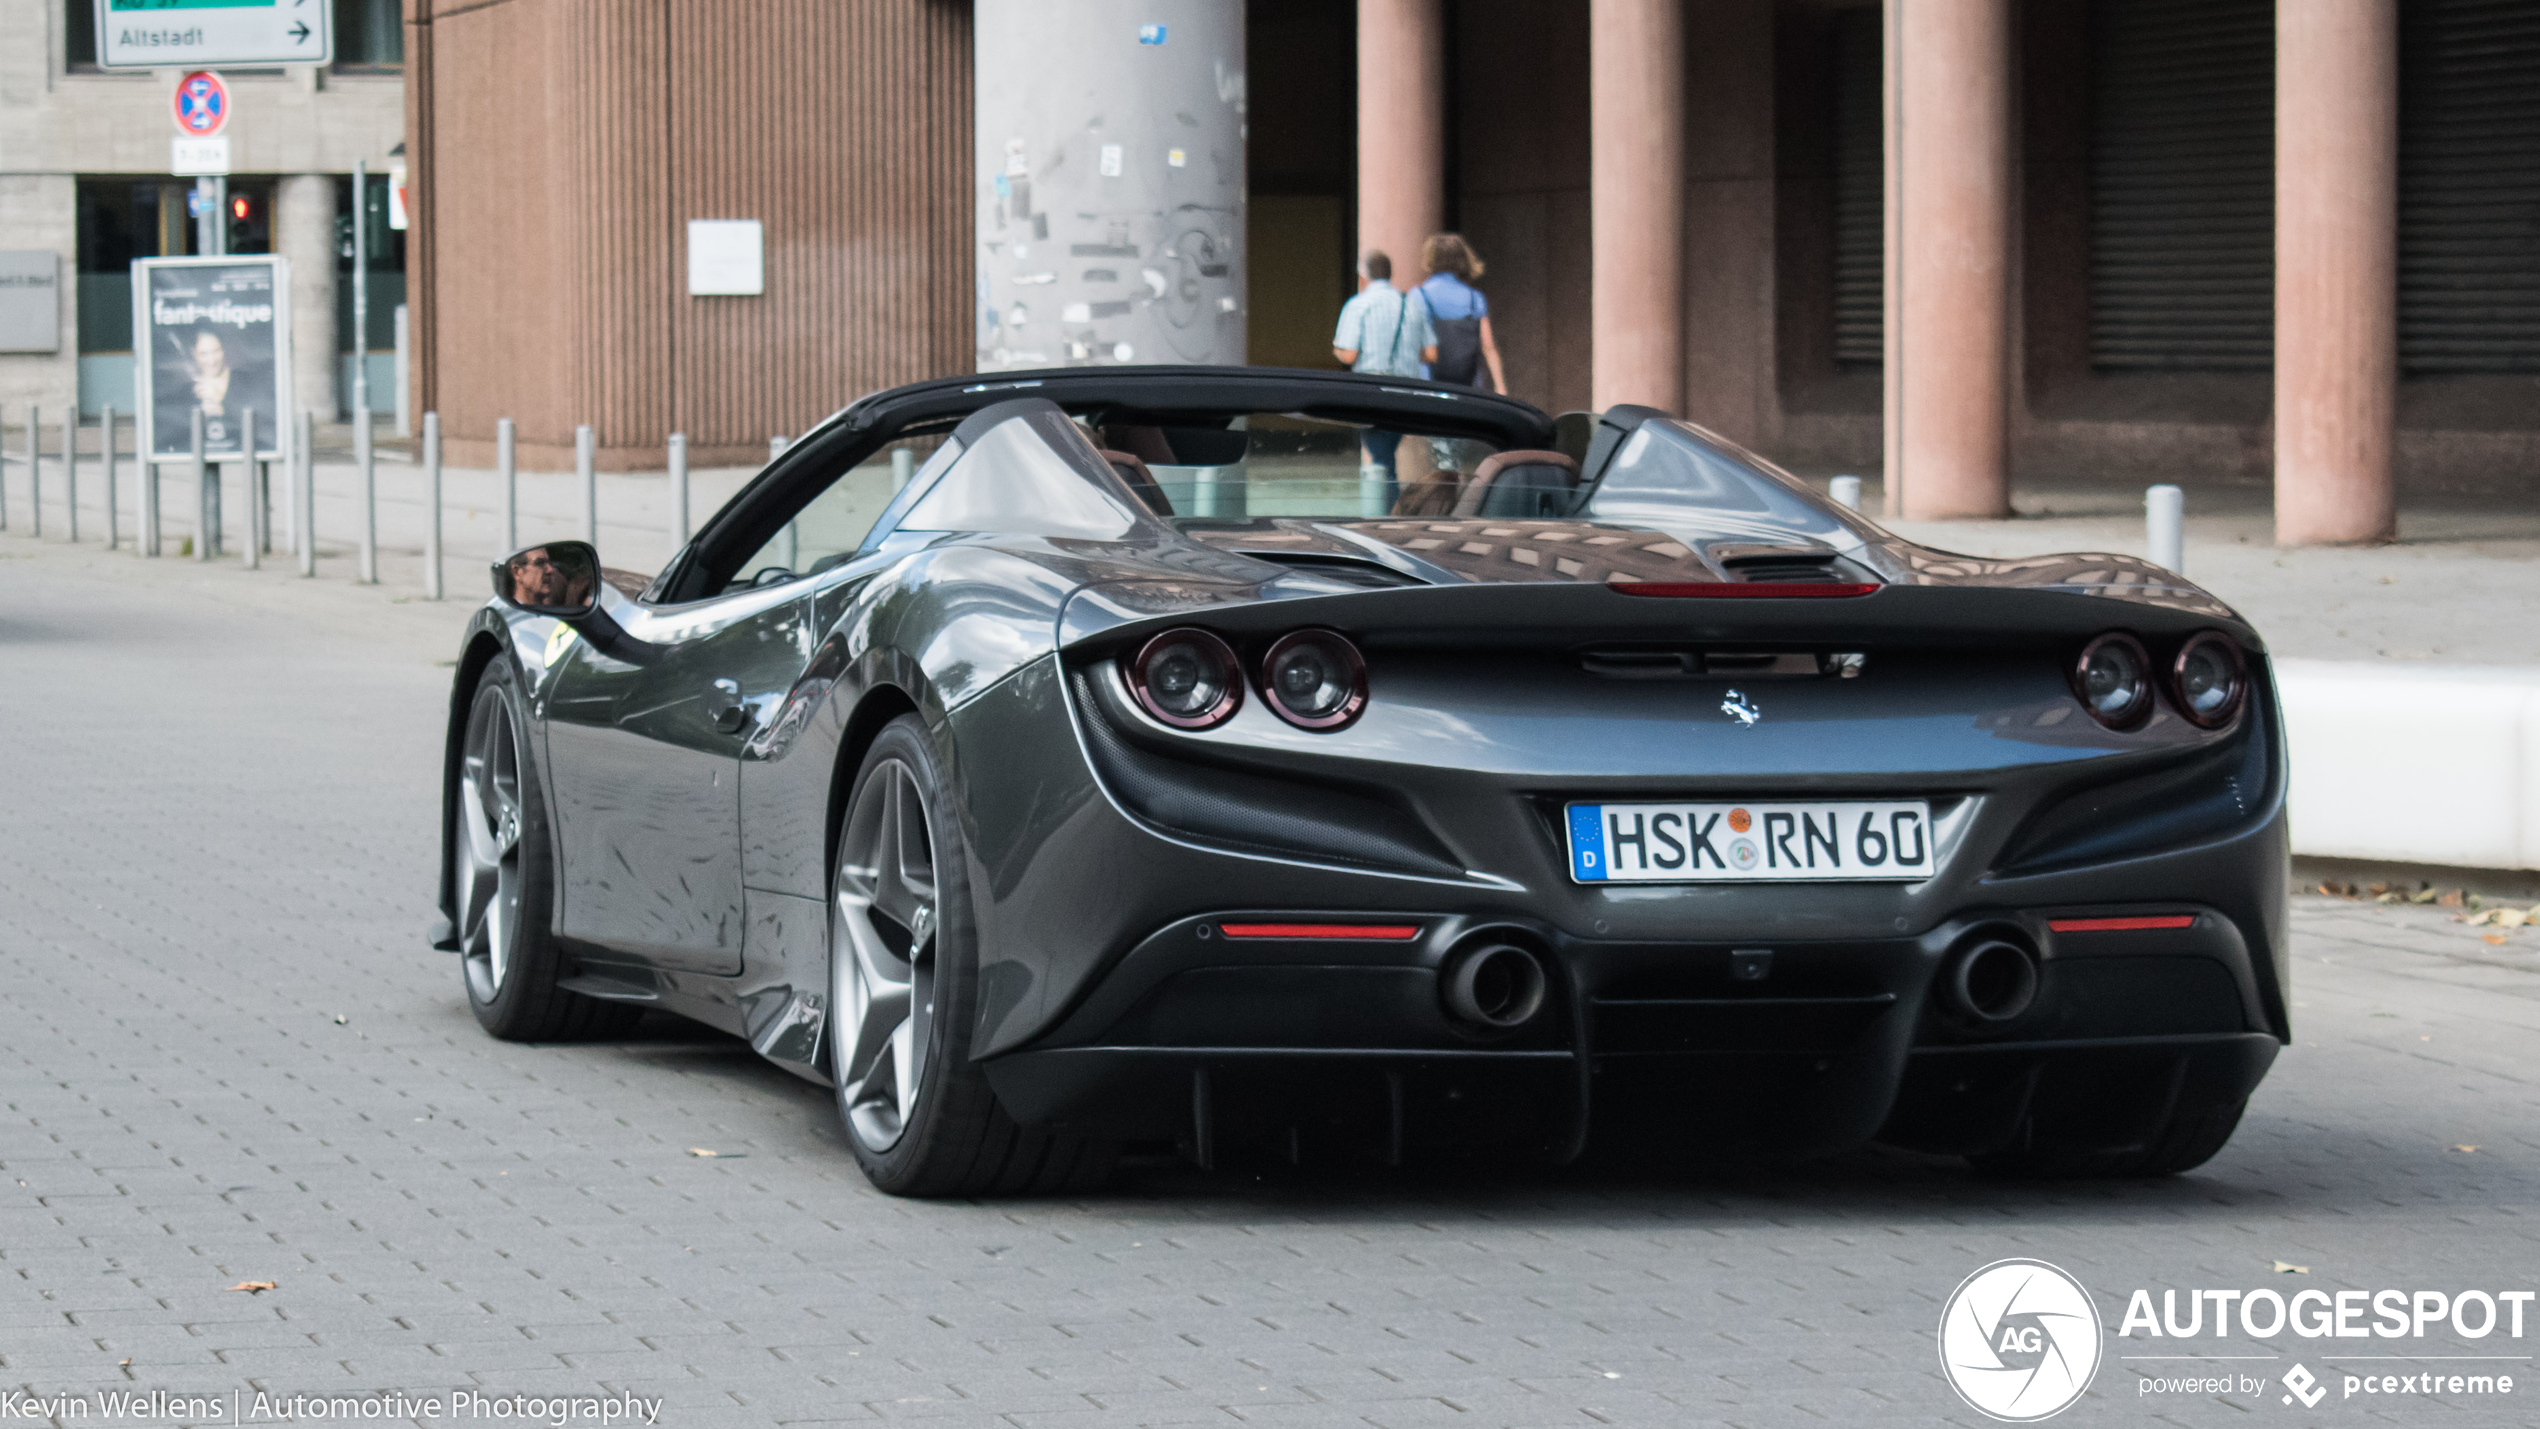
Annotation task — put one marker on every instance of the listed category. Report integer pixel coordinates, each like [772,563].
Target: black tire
[2194,1133]
[504,865]
[907,936]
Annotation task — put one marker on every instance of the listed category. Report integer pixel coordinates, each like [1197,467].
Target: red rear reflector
[1373,932]
[2118,925]
[1734,590]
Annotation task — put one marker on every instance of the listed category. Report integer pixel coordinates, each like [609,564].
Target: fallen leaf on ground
[339,1019]
[253,1287]
[718,1155]
[2494,939]
[2286,1267]
[2464,1148]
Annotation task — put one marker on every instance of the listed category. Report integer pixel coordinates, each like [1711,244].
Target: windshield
[1274,464]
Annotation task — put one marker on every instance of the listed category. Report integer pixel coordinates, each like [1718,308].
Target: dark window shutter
[1860,194]
[2469,186]
[2182,185]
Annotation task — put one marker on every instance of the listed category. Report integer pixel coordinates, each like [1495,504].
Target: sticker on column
[1176,158]
[1111,161]
[1150,34]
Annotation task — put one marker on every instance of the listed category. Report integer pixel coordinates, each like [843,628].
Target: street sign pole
[201,109]
[361,291]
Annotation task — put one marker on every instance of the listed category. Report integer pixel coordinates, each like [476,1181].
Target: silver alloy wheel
[486,858]
[882,955]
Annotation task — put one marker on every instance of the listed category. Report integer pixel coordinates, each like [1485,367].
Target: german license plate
[1750,842]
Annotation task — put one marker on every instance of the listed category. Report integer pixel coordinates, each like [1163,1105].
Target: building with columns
[1952,242]
[1963,240]
[84,176]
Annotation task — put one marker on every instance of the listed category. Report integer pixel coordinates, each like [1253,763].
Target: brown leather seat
[1431,495]
[1142,481]
[1521,484]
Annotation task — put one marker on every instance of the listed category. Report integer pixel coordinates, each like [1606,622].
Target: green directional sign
[207,34]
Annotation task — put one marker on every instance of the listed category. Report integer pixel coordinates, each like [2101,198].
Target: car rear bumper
[1784,1046]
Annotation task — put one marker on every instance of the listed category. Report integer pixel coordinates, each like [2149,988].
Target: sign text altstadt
[168,34]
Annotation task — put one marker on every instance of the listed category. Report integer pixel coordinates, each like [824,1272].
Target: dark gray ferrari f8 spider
[1061,762]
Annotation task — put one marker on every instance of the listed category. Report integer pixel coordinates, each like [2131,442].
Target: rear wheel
[903,957]
[500,858]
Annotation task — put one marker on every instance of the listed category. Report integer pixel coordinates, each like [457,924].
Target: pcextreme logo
[2019,1340]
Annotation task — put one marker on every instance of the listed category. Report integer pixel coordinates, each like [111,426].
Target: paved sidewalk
[2460,586]
[229,1057]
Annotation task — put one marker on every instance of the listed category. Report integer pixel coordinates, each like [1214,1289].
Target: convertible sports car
[1067,761]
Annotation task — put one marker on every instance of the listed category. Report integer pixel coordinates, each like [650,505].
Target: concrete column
[2336,269]
[1636,201]
[1401,129]
[1110,182]
[304,232]
[1949,205]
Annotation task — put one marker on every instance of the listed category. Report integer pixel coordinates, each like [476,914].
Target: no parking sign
[202,105]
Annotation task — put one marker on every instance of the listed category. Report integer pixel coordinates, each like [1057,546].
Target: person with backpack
[1461,315]
[1386,331]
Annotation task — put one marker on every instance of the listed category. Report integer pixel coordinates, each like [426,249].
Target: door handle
[724,707]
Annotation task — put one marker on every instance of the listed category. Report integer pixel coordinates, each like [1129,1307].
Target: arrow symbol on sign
[299,30]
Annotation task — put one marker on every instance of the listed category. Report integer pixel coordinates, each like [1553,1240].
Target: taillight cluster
[2206,680]
[1191,679]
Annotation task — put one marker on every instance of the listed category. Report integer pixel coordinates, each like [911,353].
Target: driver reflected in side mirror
[560,578]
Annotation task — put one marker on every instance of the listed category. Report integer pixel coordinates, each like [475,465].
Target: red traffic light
[238,208]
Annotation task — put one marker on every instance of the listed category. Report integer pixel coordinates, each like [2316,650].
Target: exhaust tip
[1993,981]
[1495,987]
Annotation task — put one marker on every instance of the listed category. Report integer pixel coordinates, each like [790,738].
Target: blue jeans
[1380,447]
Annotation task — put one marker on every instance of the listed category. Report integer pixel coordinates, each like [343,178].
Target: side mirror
[560,578]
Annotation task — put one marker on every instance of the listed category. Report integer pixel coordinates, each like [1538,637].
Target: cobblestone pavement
[228,1057]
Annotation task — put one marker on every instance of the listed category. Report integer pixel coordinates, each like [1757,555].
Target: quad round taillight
[1314,679]
[1188,679]
[2208,679]
[2113,680]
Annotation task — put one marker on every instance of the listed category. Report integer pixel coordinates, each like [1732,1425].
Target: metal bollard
[286,433]
[148,472]
[679,487]
[2164,526]
[106,457]
[70,471]
[1846,491]
[202,502]
[247,450]
[789,542]
[903,466]
[304,451]
[432,495]
[1371,491]
[586,465]
[507,466]
[35,470]
[364,458]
